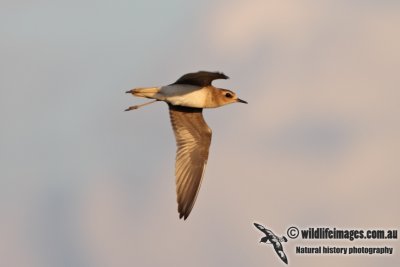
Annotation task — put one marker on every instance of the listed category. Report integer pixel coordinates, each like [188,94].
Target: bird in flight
[271,238]
[186,99]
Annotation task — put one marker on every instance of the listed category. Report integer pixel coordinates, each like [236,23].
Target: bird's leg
[141,105]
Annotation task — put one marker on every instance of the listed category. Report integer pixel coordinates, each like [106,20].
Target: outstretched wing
[279,250]
[193,139]
[263,229]
[200,78]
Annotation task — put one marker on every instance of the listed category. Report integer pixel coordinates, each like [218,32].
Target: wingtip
[183,216]
[183,213]
[225,76]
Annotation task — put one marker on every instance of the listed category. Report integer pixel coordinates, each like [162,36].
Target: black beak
[241,101]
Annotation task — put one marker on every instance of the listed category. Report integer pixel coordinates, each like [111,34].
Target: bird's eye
[228,95]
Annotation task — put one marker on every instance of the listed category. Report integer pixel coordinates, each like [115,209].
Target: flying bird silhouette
[186,99]
[271,238]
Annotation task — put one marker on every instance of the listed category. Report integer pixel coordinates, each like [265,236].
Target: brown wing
[193,139]
[200,78]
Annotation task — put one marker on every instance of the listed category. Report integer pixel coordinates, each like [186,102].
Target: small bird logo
[271,238]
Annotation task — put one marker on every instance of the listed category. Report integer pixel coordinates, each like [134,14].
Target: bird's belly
[195,98]
[194,102]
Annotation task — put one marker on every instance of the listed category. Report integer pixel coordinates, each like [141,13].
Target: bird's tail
[149,92]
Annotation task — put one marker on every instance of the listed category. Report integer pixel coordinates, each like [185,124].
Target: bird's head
[264,239]
[227,97]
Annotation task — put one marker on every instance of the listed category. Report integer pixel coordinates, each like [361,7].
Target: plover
[186,99]
[271,238]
